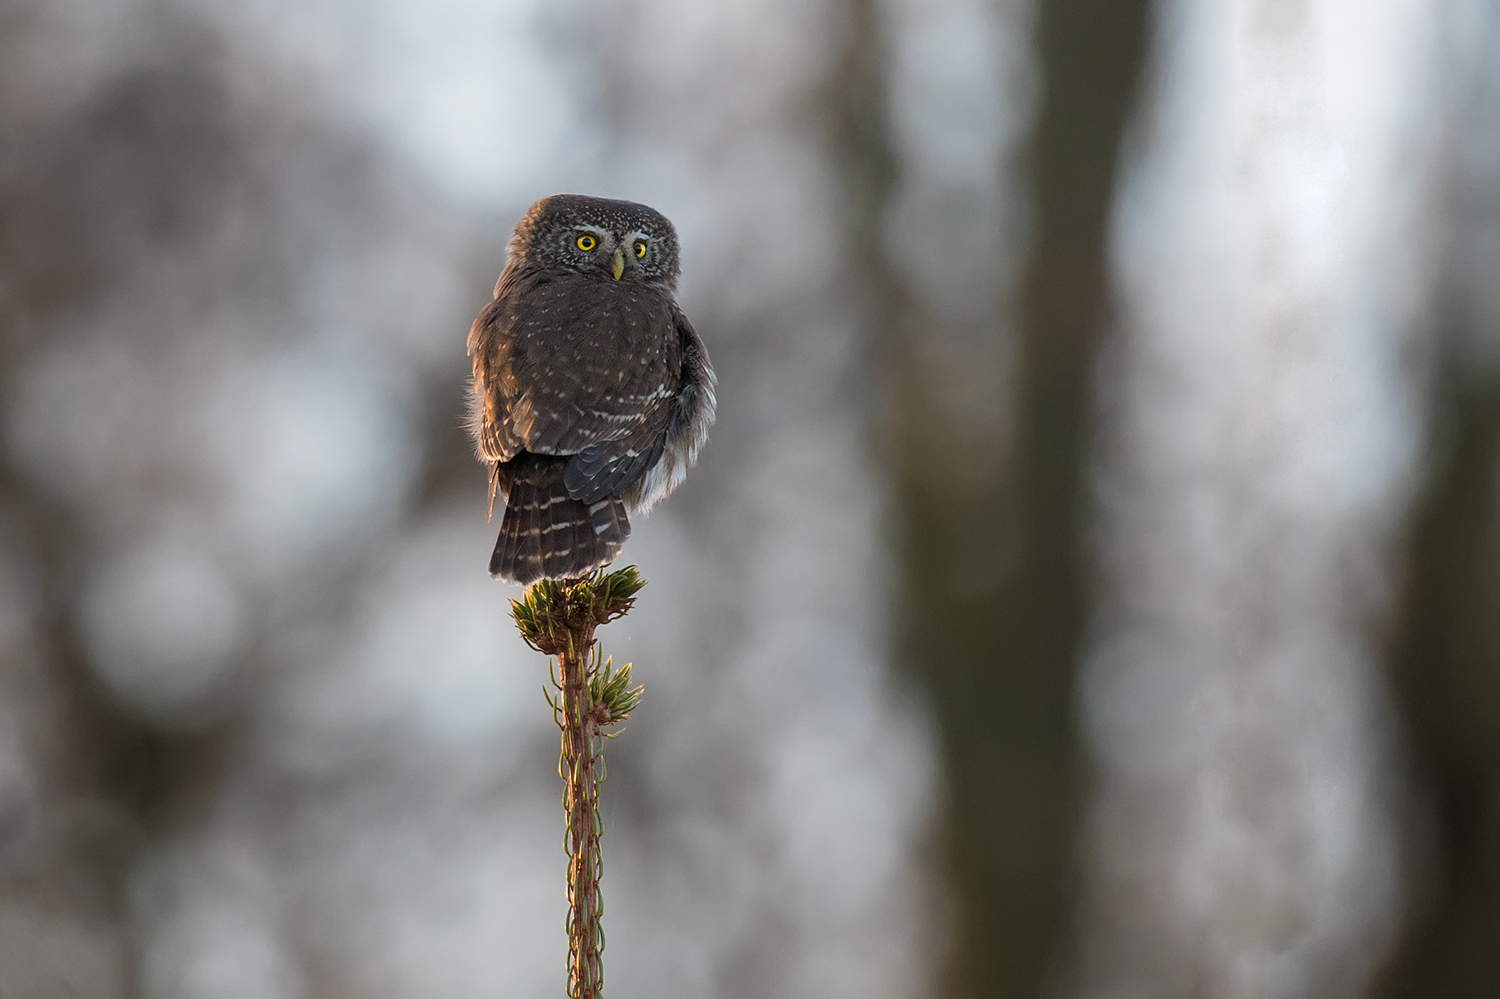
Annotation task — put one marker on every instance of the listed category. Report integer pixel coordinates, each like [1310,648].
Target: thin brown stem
[558,618]
[580,727]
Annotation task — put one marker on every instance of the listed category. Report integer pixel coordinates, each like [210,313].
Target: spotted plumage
[592,393]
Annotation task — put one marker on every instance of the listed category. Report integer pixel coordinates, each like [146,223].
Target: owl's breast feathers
[610,374]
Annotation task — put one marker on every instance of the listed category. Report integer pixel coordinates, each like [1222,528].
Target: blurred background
[1091,588]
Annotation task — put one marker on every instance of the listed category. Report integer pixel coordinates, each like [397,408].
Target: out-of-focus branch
[557,618]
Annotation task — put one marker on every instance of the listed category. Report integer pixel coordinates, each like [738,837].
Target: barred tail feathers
[546,532]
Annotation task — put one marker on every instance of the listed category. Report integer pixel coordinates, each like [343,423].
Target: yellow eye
[640,248]
[587,242]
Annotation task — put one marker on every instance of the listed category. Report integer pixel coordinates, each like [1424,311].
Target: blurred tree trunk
[86,785]
[995,649]
[1447,666]
[1446,655]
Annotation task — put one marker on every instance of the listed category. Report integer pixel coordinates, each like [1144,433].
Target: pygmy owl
[592,393]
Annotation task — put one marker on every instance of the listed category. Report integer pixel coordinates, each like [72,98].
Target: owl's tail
[546,532]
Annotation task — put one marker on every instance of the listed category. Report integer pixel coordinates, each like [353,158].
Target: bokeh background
[1091,589]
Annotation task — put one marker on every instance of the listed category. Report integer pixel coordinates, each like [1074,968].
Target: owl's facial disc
[625,256]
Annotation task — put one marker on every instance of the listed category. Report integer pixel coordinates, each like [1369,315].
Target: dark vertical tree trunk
[1447,669]
[997,656]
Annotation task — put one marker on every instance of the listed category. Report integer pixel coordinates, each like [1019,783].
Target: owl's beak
[619,265]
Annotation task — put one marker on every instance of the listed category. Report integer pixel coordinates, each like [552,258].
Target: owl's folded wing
[576,368]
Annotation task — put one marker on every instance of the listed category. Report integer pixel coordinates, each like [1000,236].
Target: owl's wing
[637,414]
[489,402]
[576,367]
[610,467]
[663,446]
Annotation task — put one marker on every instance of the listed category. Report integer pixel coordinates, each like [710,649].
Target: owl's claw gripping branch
[557,617]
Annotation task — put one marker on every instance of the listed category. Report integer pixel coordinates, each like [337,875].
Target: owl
[592,393]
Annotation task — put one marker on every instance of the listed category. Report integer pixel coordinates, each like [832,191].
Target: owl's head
[612,240]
